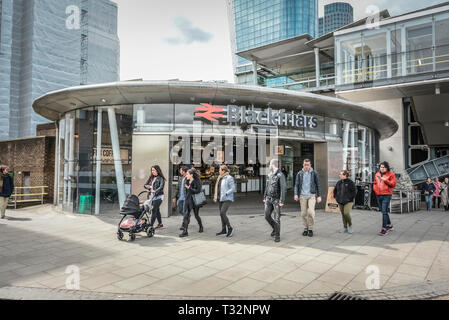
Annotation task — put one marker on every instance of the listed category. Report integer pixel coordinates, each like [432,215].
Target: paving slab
[35,256]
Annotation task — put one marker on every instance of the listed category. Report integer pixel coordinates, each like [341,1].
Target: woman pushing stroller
[155,184]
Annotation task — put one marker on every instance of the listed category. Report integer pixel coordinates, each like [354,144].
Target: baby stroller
[140,220]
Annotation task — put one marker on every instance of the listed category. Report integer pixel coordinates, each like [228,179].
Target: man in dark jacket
[6,189]
[308,192]
[428,189]
[274,198]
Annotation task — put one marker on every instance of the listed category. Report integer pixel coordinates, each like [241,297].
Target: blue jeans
[429,201]
[384,205]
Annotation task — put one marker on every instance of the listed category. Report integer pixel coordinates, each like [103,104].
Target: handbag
[199,199]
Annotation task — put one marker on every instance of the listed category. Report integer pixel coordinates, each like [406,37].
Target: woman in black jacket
[193,186]
[344,193]
[156,183]
[6,189]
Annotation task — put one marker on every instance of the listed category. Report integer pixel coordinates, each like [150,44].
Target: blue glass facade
[48,45]
[260,22]
[336,15]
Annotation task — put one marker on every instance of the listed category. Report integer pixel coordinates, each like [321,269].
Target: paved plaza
[38,245]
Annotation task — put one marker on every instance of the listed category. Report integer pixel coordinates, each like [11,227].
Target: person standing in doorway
[155,184]
[6,189]
[224,194]
[384,183]
[274,198]
[344,193]
[180,193]
[428,189]
[308,193]
[436,194]
[444,193]
[193,186]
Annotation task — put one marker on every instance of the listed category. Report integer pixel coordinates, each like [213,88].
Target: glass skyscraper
[255,23]
[336,15]
[47,45]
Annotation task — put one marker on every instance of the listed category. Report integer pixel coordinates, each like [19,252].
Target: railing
[308,83]
[405,201]
[377,67]
[14,199]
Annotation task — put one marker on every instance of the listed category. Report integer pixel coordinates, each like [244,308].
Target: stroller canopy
[131,206]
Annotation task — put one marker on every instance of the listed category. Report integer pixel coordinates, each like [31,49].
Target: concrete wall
[395,157]
[150,150]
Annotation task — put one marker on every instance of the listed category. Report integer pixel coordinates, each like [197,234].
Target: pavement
[42,250]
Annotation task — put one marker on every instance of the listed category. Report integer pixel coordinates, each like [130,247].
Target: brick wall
[46,129]
[33,155]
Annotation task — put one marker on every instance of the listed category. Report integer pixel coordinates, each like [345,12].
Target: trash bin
[85,203]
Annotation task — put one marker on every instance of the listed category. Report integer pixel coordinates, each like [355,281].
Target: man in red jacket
[384,183]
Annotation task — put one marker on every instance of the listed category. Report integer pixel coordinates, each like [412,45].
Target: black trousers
[156,213]
[186,218]
[272,207]
[224,206]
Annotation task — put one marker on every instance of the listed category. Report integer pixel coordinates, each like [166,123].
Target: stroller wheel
[120,235]
[132,236]
[150,232]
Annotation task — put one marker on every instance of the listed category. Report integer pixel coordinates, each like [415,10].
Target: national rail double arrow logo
[208,112]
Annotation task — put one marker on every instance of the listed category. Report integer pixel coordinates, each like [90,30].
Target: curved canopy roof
[54,104]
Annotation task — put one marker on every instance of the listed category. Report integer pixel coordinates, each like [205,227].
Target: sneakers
[390,228]
[221,233]
[277,239]
[230,232]
[310,234]
[383,232]
[159,226]
[350,230]
[305,233]
[344,230]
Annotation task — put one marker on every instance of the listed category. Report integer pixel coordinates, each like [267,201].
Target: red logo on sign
[209,112]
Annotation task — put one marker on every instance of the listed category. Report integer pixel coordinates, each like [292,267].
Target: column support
[98,161]
[255,82]
[317,67]
[117,158]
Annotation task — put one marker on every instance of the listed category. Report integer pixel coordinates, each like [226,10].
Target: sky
[189,39]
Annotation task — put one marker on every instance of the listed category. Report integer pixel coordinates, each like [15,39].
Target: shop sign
[107,155]
[242,115]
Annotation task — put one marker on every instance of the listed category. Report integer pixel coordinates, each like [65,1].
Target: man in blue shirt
[308,192]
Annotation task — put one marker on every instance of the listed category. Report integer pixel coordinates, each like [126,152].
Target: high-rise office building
[254,23]
[47,45]
[336,15]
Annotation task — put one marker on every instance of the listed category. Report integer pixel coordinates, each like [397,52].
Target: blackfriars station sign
[242,115]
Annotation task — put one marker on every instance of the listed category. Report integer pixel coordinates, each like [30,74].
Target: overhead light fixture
[437,89]
[446,123]
[103,100]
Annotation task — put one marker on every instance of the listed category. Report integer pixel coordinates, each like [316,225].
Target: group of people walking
[188,186]
[436,191]
[307,192]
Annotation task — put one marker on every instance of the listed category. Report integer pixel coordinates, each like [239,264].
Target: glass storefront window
[375,56]
[419,47]
[153,117]
[442,42]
